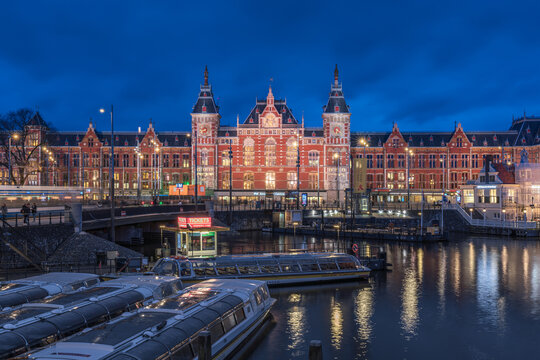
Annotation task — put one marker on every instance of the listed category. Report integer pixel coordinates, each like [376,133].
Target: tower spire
[206,75]
[336,75]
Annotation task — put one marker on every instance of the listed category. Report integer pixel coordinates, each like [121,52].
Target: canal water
[469,298]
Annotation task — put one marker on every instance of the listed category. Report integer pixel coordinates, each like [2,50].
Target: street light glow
[102,110]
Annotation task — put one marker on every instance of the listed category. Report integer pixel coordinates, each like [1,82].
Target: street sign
[355,248]
[304,199]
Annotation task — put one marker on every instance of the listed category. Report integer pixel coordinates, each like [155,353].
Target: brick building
[272,150]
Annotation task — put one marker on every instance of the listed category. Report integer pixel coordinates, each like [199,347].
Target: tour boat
[275,269]
[36,324]
[231,310]
[16,292]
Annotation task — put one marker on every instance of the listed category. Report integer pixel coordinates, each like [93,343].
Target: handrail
[492,223]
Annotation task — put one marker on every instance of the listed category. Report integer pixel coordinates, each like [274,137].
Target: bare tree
[22,133]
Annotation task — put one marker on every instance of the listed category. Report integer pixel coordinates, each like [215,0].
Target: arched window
[270,152]
[248,181]
[204,157]
[225,158]
[291,151]
[249,152]
[291,180]
[225,184]
[313,158]
[270,180]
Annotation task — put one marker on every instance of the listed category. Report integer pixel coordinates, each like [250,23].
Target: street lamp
[409,154]
[230,181]
[336,156]
[16,137]
[298,174]
[111,173]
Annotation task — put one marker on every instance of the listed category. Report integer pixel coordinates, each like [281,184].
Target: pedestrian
[24,211]
[4,211]
[34,211]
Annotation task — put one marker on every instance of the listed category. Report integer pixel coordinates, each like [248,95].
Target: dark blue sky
[423,64]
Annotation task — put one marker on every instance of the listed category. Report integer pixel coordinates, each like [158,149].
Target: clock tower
[337,133]
[204,130]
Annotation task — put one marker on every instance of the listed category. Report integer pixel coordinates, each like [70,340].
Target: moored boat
[275,269]
[231,310]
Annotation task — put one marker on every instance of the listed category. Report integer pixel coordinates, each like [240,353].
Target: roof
[505,173]
[37,120]
[122,138]
[205,102]
[287,117]
[313,132]
[336,101]
[527,131]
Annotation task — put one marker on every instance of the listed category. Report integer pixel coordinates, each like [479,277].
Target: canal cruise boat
[39,323]
[276,269]
[231,310]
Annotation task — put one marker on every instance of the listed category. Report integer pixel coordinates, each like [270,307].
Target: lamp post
[196,173]
[138,157]
[336,156]
[298,175]
[14,136]
[318,182]
[111,174]
[230,181]
[409,154]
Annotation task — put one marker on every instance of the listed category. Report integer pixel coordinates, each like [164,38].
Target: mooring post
[205,346]
[315,350]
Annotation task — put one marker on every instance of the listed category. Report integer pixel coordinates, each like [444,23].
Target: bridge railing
[40,218]
[525,225]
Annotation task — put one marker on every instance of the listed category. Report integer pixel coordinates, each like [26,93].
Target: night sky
[423,64]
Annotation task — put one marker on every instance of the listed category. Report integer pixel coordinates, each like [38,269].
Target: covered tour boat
[231,310]
[36,324]
[275,269]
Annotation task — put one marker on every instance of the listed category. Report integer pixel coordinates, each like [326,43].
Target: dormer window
[283,110]
[204,108]
[257,110]
[251,120]
[336,108]
[459,142]
[289,120]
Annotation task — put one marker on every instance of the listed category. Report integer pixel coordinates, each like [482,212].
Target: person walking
[34,211]
[25,211]
[4,212]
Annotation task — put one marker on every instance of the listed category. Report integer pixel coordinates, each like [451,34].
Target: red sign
[355,248]
[194,222]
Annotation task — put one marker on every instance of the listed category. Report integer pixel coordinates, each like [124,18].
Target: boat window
[290,267]
[262,294]
[185,269]
[264,291]
[77,285]
[216,331]
[8,286]
[239,315]
[227,270]
[68,299]
[91,282]
[258,297]
[327,264]
[166,268]
[184,301]
[249,269]
[229,322]
[346,264]
[184,353]
[310,266]
[270,269]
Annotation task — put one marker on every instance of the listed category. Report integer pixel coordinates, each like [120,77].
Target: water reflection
[484,293]
[336,323]
[363,311]
[409,295]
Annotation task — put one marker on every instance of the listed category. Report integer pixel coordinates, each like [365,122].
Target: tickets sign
[194,222]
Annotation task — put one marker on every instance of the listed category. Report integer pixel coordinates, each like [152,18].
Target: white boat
[231,310]
[276,269]
[36,324]
[16,292]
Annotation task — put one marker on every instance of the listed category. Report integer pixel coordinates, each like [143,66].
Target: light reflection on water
[472,298]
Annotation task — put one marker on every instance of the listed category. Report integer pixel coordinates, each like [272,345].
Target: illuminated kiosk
[195,236]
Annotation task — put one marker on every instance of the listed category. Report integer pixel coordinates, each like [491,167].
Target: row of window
[128,160]
[422,161]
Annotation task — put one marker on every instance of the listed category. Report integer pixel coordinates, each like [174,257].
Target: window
[66,160]
[125,160]
[76,160]
[313,158]
[176,160]
[432,161]
[270,180]
[248,181]
[85,160]
[474,161]
[90,142]
[390,160]
[493,198]
[185,161]
[369,158]
[313,181]
[95,160]
[116,160]
[421,161]
[401,161]
[165,160]
[204,157]
[291,180]
[459,142]
[249,152]
[453,161]
[291,152]
[380,160]
[225,181]
[146,160]
[464,161]
[225,158]
[270,152]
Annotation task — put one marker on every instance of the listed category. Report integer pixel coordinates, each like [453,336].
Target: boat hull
[275,280]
